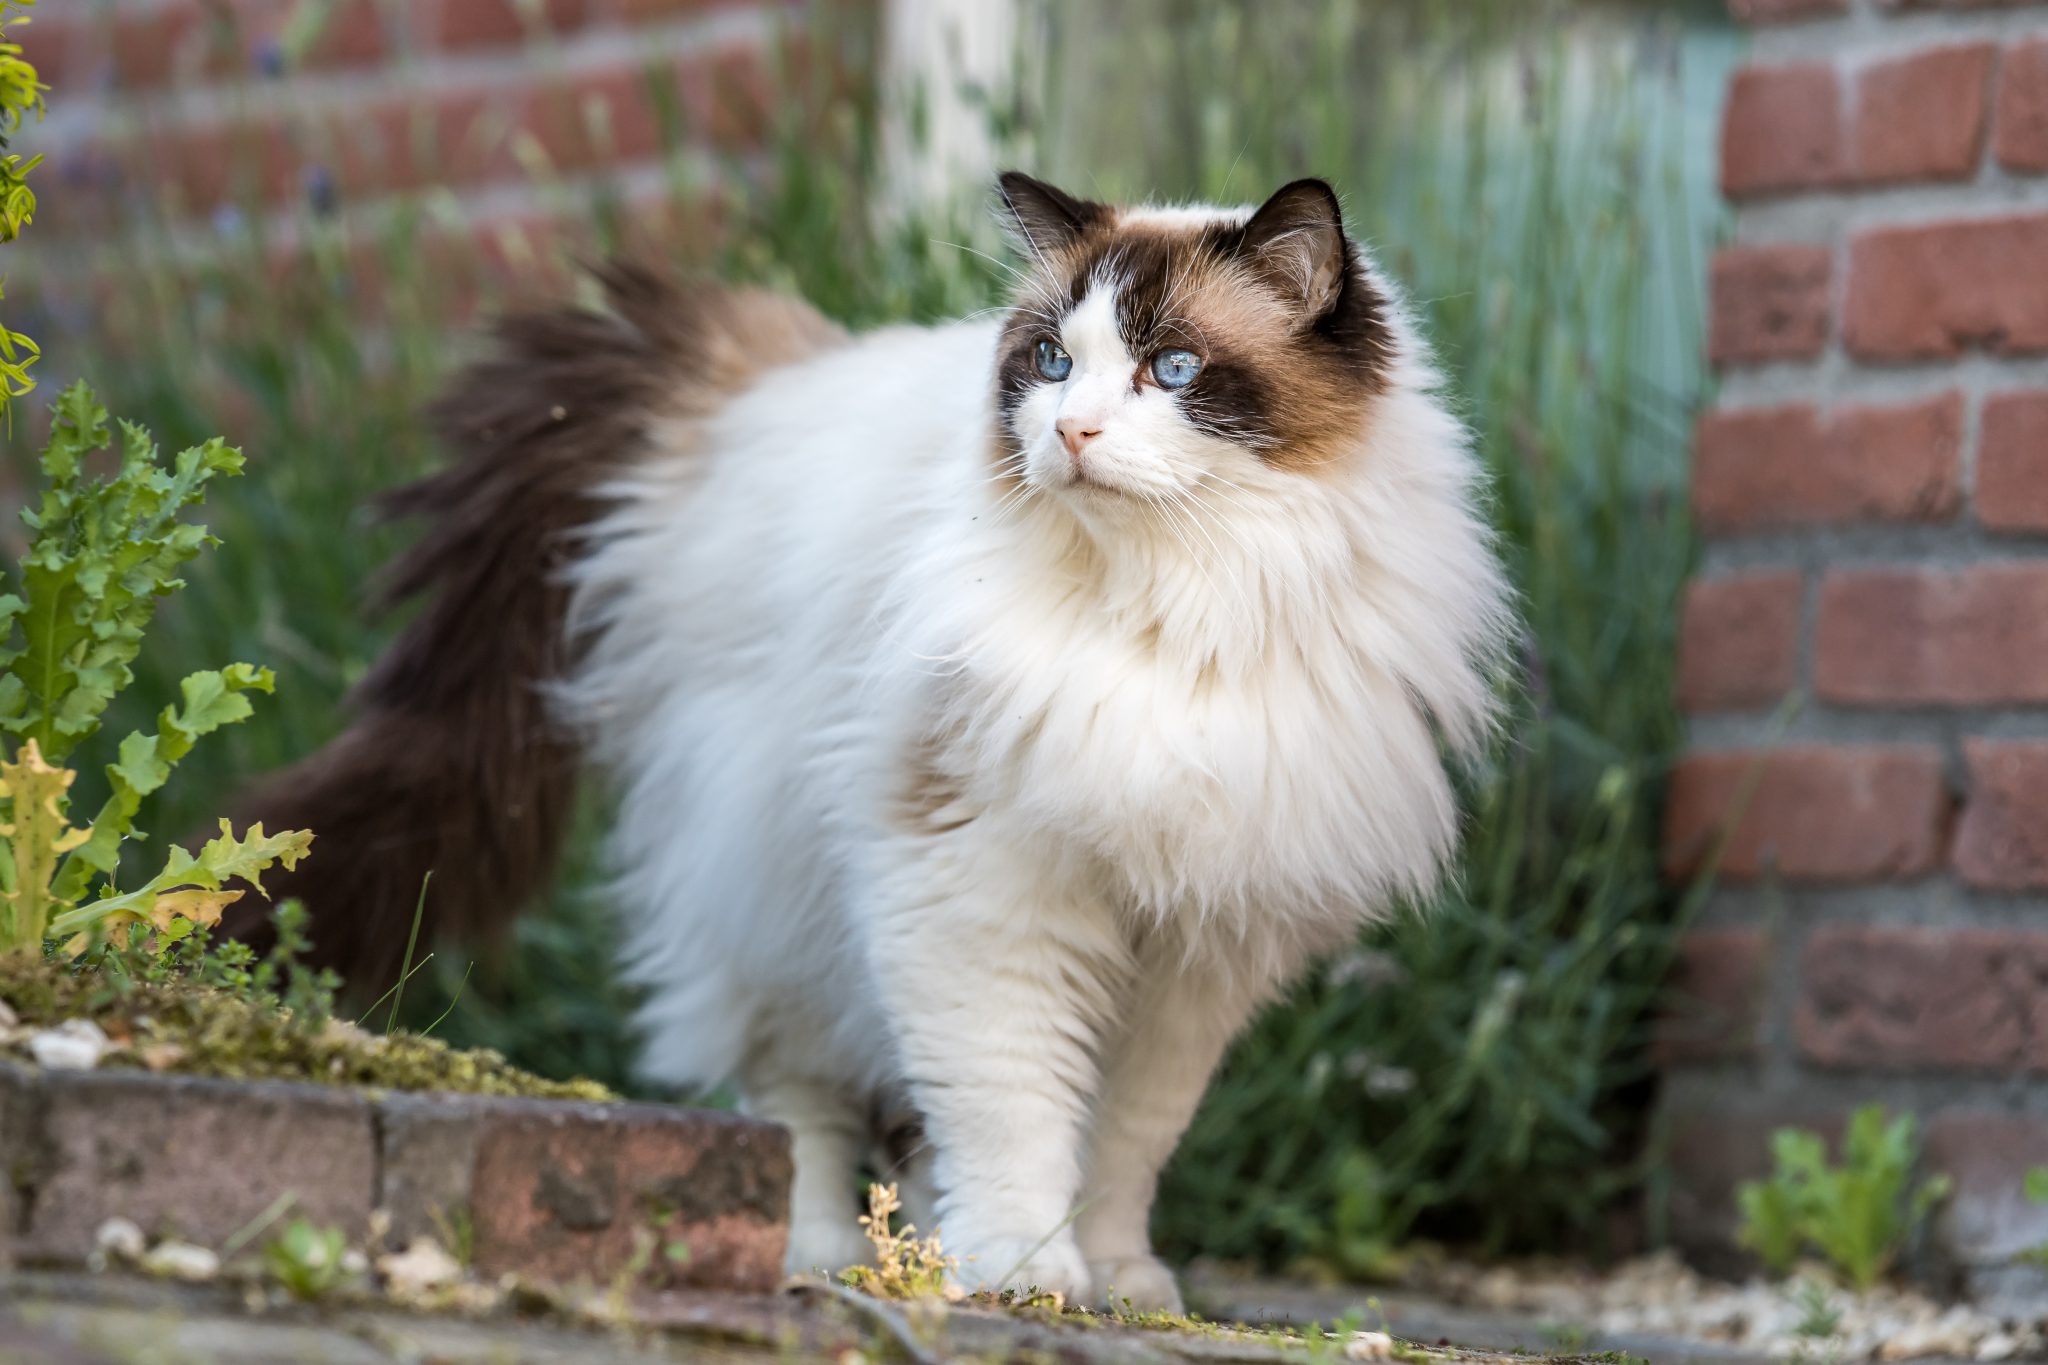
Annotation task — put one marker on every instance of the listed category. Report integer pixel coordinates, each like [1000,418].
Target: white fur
[1188,709]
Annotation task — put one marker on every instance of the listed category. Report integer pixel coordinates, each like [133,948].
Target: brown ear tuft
[1045,217]
[1296,242]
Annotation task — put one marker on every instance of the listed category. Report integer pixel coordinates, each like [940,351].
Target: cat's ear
[1296,242]
[1045,218]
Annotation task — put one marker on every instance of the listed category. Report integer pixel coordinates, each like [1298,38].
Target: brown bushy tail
[452,765]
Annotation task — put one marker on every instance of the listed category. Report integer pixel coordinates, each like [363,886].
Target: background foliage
[1531,172]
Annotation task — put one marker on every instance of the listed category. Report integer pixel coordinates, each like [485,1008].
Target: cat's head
[1151,351]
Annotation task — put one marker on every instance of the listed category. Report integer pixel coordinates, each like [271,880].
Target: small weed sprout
[1859,1216]
[457,1229]
[310,1262]
[906,1266]
[1818,1316]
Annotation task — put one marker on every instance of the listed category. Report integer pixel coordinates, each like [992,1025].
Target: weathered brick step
[550,1190]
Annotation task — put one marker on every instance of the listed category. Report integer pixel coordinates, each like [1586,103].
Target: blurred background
[278,219]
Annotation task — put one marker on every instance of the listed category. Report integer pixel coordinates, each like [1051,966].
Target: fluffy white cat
[998,713]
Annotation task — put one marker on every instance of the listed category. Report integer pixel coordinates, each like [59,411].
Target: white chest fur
[1221,738]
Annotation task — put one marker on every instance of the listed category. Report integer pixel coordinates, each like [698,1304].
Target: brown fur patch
[1288,381]
[930,800]
[452,764]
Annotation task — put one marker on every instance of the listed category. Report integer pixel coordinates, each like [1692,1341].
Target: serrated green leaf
[191,886]
[103,551]
[212,699]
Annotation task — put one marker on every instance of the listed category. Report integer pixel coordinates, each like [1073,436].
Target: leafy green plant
[102,552]
[1859,1215]
[309,1261]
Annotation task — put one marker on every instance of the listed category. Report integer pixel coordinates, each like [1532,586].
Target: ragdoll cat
[998,713]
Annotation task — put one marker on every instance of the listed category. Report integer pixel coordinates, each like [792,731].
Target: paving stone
[194,1156]
[427,1148]
[114,1318]
[568,1192]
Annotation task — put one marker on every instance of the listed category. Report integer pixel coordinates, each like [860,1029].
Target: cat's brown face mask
[1139,335]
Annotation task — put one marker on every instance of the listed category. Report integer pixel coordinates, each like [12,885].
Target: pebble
[419,1269]
[1658,1295]
[1369,1346]
[74,1045]
[120,1238]
[181,1261]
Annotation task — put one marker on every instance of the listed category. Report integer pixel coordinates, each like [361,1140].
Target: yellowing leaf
[190,885]
[201,907]
[37,834]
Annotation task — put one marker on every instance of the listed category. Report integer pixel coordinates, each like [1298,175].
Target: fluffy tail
[453,764]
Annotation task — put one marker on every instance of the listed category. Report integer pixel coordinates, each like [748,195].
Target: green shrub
[1858,1216]
[101,553]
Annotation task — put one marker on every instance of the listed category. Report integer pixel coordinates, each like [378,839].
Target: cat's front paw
[1023,1264]
[1142,1283]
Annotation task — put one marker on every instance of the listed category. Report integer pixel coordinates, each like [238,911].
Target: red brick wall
[1865,648]
[191,114]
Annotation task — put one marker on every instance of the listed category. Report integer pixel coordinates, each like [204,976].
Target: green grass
[1477,1072]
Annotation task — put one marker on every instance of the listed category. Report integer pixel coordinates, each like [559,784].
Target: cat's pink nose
[1075,433]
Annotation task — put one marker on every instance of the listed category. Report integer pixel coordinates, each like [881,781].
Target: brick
[1809,813]
[1769,303]
[1782,11]
[1781,129]
[1923,116]
[1969,637]
[1787,466]
[1739,642]
[1910,999]
[461,137]
[1932,292]
[648,11]
[2002,838]
[1714,1003]
[196,1156]
[2022,143]
[195,41]
[2012,463]
[458,24]
[1987,1153]
[572,1187]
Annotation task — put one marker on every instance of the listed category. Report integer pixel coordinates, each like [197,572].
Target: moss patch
[196,1030]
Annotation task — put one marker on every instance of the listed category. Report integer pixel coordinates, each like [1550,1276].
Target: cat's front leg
[998,971]
[1187,1009]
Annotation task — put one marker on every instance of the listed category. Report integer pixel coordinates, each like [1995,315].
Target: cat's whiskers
[996,261]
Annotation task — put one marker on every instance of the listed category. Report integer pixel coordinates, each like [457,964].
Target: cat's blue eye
[1176,369]
[1053,362]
